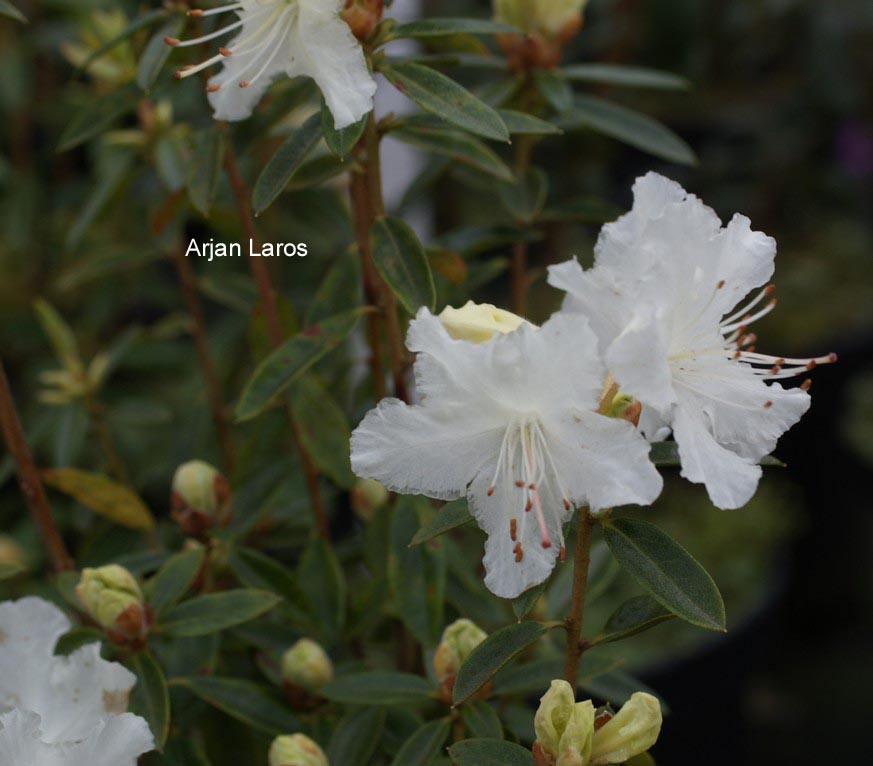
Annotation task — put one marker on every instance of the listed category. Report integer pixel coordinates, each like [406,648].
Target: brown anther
[769,289]
[751,349]
[806,385]
[213,88]
[810,365]
[832,357]
[528,505]
[566,504]
[546,544]
[562,554]
[225,51]
[519,553]
[519,484]
[490,491]
[244,84]
[750,338]
[737,354]
[741,330]
[172,40]
[195,13]
[772,303]
[532,485]
[513,529]
[767,405]
[774,369]
[720,284]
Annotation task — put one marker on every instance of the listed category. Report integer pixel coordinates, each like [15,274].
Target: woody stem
[581,561]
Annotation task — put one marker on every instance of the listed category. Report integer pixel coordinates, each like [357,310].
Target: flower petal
[20,742]
[423,450]
[115,741]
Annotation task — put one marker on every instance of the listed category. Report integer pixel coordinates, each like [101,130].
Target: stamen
[562,554]
[727,328]
[519,553]
[196,13]
[204,38]
[767,291]
[806,385]
[192,69]
[513,529]
[519,483]
[490,491]
[768,405]
[214,88]
[225,51]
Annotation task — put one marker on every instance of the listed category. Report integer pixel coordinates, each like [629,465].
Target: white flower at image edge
[664,299]
[292,37]
[61,711]
[511,424]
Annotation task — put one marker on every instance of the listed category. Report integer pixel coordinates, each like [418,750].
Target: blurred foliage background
[780,114]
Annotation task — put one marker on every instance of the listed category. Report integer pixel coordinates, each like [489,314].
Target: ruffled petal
[324,48]
[424,450]
[115,741]
[20,742]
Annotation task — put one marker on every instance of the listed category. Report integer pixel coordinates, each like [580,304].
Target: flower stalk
[581,562]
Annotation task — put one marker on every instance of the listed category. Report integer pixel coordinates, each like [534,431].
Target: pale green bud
[458,641]
[632,731]
[624,407]
[477,322]
[296,750]
[563,726]
[200,498]
[307,665]
[11,553]
[112,597]
[368,496]
[538,16]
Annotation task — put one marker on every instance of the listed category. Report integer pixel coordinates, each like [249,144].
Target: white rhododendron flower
[510,423]
[666,300]
[292,37]
[68,711]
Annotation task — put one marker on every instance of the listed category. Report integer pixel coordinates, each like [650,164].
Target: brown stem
[28,478]
[274,330]
[581,561]
[97,417]
[207,367]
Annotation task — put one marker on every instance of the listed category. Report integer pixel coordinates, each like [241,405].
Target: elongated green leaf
[489,752]
[60,335]
[629,126]
[256,706]
[402,262]
[666,454]
[481,720]
[324,430]
[435,27]
[204,168]
[326,588]
[523,605]
[630,76]
[8,571]
[257,570]
[217,611]
[342,141]
[474,240]
[291,360]
[495,652]
[634,616]
[451,516]
[524,199]
[382,687]
[356,737]
[99,114]
[102,495]
[174,579]
[316,171]
[156,52]
[436,93]
[519,123]
[150,697]
[457,146]
[11,12]
[555,89]
[616,687]
[424,745]
[76,638]
[667,571]
[135,26]
[284,163]
[338,290]
[534,677]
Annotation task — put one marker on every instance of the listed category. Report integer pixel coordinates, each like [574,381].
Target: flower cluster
[529,422]
[61,711]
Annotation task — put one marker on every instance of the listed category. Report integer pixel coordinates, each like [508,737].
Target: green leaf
[519,123]
[284,163]
[342,141]
[631,127]
[585,208]
[356,737]
[667,571]
[443,27]
[316,171]
[457,146]
[338,290]
[324,430]
[156,52]
[8,571]
[629,76]
[256,706]
[150,697]
[436,93]
[481,720]
[383,687]
[135,26]
[102,495]
[174,579]
[525,198]
[401,260]
[527,600]
[291,360]
[98,115]
[60,335]
[474,240]
[326,587]
[555,89]
[489,752]
[666,454]
[451,516]
[76,638]
[204,168]
[633,616]
[495,652]
[218,611]
[11,12]
[424,745]
[616,687]
[417,576]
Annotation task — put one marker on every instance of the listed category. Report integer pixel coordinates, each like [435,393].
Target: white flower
[663,300]
[295,37]
[511,424]
[64,710]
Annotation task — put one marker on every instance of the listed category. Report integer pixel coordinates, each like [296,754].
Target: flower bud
[11,553]
[624,407]
[477,322]
[112,597]
[200,498]
[458,641]
[362,16]
[307,665]
[564,727]
[296,750]
[547,26]
[368,496]
[632,731]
